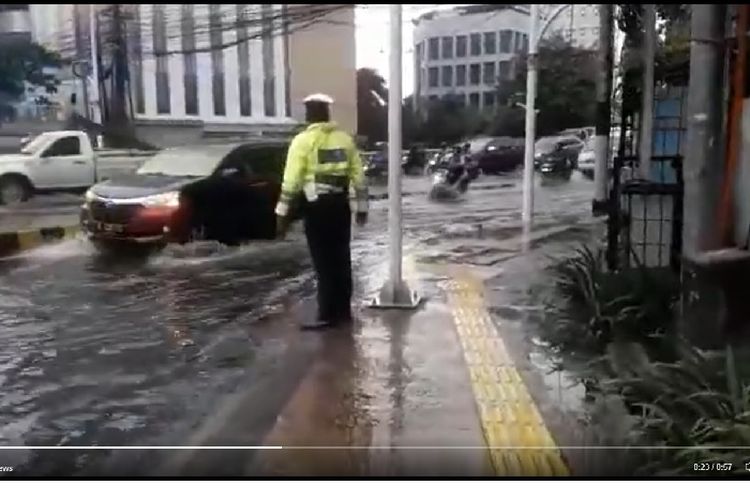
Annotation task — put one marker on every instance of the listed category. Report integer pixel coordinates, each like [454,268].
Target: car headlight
[89,196]
[170,199]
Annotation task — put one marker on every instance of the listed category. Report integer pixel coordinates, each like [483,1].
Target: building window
[461,46]
[434,49]
[504,70]
[460,99]
[190,72]
[474,77]
[489,99]
[447,47]
[519,42]
[490,78]
[506,41]
[269,75]
[460,75]
[217,59]
[162,69]
[447,76]
[474,100]
[476,44]
[243,60]
[490,43]
[525,43]
[137,60]
[432,78]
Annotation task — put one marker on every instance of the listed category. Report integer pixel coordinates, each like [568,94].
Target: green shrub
[691,406]
[592,307]
[694,410]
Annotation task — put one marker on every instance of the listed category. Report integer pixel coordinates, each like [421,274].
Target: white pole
[394,151]
[528,164]
[96,116]
[647,106]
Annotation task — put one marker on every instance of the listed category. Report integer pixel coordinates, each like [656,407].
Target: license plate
[110,228]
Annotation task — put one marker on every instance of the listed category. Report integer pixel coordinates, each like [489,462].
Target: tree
[447,120]
[23,63]
[566,88]
[372,111]
[507,121]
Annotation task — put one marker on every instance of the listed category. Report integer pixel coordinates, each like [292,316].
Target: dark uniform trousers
[328,231]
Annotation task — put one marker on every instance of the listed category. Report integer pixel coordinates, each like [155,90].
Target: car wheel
[14,190]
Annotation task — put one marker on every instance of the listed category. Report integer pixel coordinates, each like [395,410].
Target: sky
[373,38]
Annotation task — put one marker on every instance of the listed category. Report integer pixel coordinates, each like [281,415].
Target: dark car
[225,193]
[557,154]
[500,155]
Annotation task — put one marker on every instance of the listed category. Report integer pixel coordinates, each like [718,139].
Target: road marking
[519,443]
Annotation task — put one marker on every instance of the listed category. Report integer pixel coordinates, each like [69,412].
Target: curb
[21,241]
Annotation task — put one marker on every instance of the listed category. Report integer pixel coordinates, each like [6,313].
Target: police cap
[320,98]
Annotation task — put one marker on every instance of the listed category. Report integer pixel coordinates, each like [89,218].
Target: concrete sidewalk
[432,392]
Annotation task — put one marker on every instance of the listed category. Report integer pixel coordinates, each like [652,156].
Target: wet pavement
[199,346]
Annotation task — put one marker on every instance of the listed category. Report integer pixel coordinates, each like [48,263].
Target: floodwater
[108,351]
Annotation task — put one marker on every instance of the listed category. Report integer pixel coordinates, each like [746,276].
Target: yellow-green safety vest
[323,159]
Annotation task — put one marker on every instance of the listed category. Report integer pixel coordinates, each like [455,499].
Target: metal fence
[645,222]
[645,219]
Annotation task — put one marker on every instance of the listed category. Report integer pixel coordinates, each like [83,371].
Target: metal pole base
[396,297]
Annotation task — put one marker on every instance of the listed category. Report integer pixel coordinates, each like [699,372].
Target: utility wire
[279,23]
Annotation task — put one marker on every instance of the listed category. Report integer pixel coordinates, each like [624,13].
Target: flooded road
[113,352]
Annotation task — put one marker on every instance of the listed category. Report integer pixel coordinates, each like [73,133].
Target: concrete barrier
[20,241]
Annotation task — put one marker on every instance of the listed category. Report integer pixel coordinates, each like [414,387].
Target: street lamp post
[531,83]
[395,293]
[528,162]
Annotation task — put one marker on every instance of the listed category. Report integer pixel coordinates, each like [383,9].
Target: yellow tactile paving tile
[519,442]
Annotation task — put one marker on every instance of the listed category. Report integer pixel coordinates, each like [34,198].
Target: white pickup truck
[52,161]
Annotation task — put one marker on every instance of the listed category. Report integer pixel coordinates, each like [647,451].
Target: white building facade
[15,23]
[577,23]
[201,63]
[194,69]
[467,52]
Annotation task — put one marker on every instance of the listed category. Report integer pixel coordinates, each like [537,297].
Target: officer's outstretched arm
[293,177]
[358,181]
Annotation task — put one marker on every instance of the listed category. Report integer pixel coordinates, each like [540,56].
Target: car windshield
[35,145]
[546,144]
[188,162]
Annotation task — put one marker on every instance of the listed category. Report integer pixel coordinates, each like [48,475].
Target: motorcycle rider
[458,174]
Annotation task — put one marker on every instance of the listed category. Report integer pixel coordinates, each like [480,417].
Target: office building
[466,52]
[200,70]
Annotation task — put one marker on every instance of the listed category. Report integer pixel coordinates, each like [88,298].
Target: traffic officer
[323,163]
